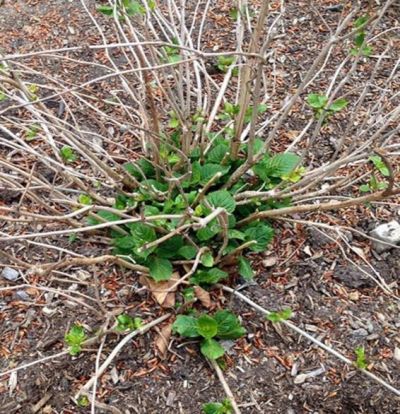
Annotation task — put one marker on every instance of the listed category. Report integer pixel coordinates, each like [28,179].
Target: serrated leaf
[245,269]
[68,154]
[207,326]
[222,198]
[208,277]
[262,234]
[125,242]
[208,171]
[280,165]
[380,165]
[213,408]
[218,153]
[207,259]
[140,168]
[360,21]
[186,326]
[365,188]
[208,232]
[228,325]
[170,248]
[187,252]
[107,10]
[317,101]
[280,316]
[361,361]
[126,322]
[359,39]
[142,233]
[211,349]
[236,234]
[338,105]
[160,269]
[85,199]
[74,338]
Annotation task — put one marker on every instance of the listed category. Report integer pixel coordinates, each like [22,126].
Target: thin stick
[117,349]
[225,386]
[312,339]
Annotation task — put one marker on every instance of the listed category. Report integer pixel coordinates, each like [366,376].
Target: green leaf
[280,165]
[108,216]
[338,105]
[317,101]
[360,21]
[187,252]
[125,242]
[228,325]
[140,166]
[83,401]
[222,198]
[170,248]
[359,39]
[68,154]
[74,338]
[133,7]
[208,277]
[361,361]
[236,234]
[218,153]
[365,188]
[107,10]
[211,349]
[262,234]
[207,326]
[380,165]
[3,96]
[366,50]
[186,326]
[218,408]
[208,232]
[142,233]
[85,199]
[160,269]
[207,259]
[32,132]
[245,269]
[208,171]
[280,316]
[126,322]
[189,294]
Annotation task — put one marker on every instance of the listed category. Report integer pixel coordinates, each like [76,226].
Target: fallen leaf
[162,291]
[162,339]
[203,296]
[270,261]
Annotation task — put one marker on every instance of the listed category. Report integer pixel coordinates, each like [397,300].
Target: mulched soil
[303,270]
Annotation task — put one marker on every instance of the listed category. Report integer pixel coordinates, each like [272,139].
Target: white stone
[389,233]
[10,274]
[396,354]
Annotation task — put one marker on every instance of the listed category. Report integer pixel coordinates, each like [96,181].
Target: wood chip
[203,296]
[162,340]
[162,290]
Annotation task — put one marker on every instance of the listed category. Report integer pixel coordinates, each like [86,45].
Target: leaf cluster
[222,325]
[319,104]
[74,339]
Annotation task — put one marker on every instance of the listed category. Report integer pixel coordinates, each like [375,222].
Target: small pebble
[372,337]
[300,378]
[10,274]
[396,354]
[21,295]
[360,332]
